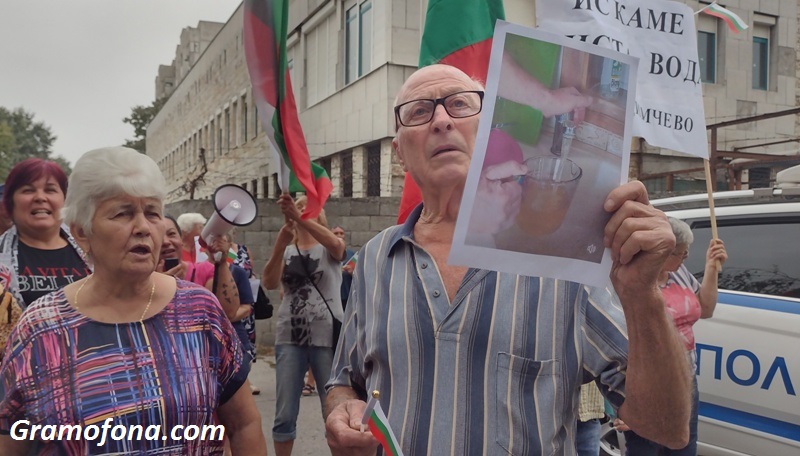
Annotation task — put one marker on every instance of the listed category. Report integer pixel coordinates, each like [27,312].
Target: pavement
[310,427]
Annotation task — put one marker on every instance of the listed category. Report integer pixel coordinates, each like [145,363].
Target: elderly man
[472,361]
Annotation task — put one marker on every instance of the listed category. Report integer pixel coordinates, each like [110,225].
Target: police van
[748,353]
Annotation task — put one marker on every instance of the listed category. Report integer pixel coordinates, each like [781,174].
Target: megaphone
[233,206]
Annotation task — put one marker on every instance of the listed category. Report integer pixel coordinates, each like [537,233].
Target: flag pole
[703,9]
[710,191]
[369,408]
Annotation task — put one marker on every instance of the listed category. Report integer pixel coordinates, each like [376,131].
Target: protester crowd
[113,309]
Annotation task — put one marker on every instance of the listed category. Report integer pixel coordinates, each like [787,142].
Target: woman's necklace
[149,301]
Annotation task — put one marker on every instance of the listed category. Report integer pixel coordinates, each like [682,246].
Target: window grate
[374,170]
[347,174]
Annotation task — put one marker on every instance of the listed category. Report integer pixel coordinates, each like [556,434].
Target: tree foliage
[140,119]
[22,137]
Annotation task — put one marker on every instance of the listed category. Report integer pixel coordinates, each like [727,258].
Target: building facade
[348,59]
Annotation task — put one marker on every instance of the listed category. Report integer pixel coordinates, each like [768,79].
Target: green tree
[140,119]
[22,137]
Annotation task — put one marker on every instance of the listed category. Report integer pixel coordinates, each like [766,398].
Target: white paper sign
[669,100]
[544,217]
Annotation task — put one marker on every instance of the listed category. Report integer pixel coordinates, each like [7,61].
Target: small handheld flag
[351,263]
[379,426]
[231,256]
[735,23]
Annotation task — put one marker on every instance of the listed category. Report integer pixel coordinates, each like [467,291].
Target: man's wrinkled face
[437,153]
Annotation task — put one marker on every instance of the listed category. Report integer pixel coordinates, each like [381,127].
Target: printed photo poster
[553,140]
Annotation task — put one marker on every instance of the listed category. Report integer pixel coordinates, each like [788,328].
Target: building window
[760,63]
[374,170]
[227,131]
[244,120]
[255,120]
[325,163]
[265,187]
[254,188]
[358,41]
[276,189]
[760,178]
[219,136]
[707,53]
[347,174]
[211,149]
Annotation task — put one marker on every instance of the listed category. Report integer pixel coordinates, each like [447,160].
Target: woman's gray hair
[106,173]
[188,220]
[681,230]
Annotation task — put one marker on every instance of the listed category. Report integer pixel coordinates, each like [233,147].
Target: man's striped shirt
[498,371]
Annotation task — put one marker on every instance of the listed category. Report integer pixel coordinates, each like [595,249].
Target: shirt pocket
[528,395]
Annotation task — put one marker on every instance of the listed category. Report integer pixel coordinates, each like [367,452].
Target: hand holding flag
[379,426]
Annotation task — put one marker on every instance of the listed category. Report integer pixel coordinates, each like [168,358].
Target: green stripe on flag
[386,436]
[443,35]
[296,186]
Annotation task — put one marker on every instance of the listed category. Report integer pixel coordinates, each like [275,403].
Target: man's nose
[441,119]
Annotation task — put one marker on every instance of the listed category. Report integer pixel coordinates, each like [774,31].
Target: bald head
[427,75]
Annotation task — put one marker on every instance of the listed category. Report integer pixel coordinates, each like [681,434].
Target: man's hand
[564,100]
[343,430]
[640,239]
[498,197]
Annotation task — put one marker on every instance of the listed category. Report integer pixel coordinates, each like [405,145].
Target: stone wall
[361,218]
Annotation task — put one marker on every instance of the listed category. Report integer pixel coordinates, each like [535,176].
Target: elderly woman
[37,254]
[190,224]
[126,348]
[306,261]
[687,301]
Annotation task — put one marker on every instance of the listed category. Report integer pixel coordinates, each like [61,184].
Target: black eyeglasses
[457,105]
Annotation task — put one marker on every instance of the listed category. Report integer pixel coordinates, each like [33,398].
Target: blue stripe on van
[759,302]
[751,421]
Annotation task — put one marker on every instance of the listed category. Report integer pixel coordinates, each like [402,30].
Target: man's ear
[396,147]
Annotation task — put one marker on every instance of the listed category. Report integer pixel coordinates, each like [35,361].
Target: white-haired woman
[191,224]
[687,301]
[126,348]
[306,262]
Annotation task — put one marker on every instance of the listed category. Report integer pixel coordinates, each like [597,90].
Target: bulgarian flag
[352,261]
[379,426]
[231,257]
[457,33]
[735,23]
[265,24]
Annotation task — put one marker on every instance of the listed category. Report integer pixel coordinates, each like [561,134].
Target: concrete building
[348,58]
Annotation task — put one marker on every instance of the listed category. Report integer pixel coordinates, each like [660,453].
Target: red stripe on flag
[264,54]
[265,23]
[382,439]
[317,190]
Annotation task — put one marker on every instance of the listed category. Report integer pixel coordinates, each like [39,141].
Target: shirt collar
[406,229]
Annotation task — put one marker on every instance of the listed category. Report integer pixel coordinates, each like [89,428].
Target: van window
[762,255]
